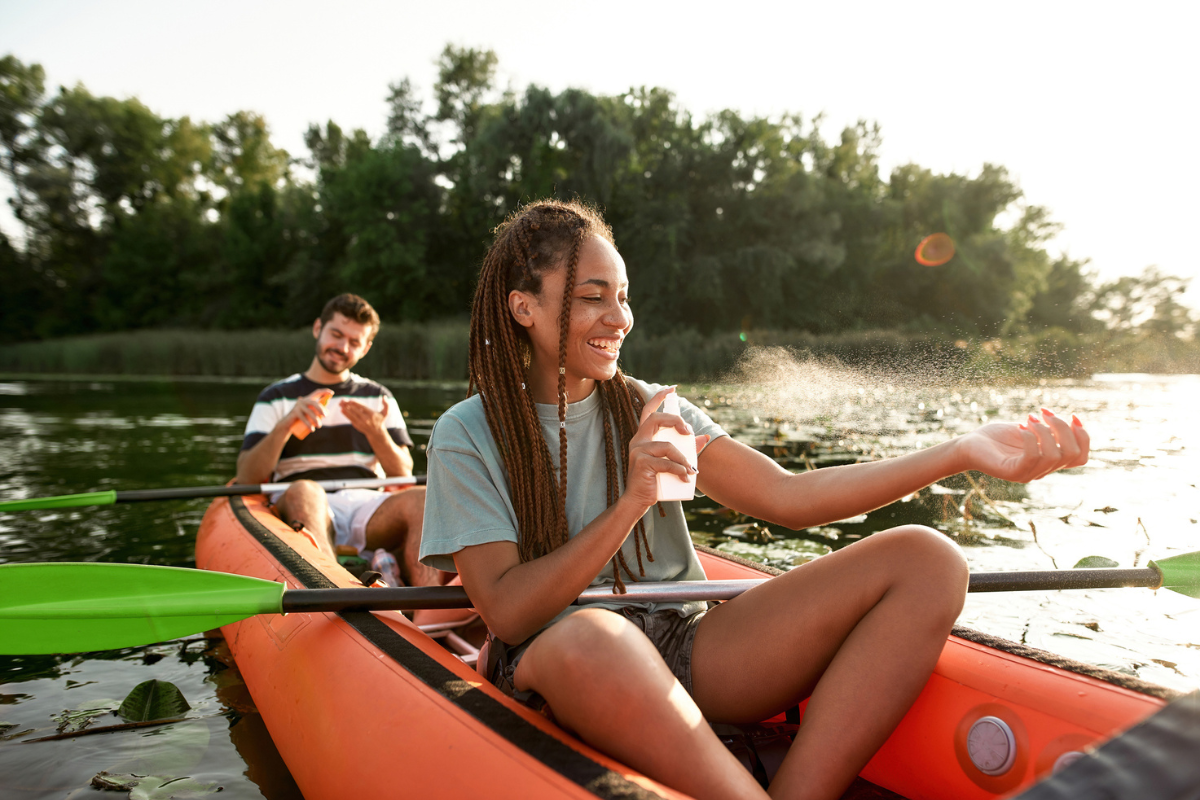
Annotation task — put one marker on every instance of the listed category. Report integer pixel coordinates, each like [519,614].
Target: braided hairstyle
[534,241]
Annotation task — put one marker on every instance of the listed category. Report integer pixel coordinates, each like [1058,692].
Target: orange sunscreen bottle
[299,428]
[671,486]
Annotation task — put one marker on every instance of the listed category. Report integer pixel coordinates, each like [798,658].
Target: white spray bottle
[670,485]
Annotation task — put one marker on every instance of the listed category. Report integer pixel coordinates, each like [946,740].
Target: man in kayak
[329,424]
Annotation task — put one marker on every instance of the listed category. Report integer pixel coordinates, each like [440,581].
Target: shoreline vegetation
[438,352]
[738,230]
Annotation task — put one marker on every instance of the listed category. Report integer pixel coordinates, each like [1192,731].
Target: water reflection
[1136,500]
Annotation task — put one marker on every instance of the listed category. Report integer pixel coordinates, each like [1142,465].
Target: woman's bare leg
[605,680]
[859,631]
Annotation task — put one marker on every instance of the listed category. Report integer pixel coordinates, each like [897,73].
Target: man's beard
[331,367]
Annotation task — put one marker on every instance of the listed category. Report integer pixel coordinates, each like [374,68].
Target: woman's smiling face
[600,321]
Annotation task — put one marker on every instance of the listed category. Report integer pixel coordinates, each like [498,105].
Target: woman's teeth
[606,345]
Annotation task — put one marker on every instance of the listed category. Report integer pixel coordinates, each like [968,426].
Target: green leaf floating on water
[79,718]
[153,699]
[1095,562]
[154,787]
[791,552]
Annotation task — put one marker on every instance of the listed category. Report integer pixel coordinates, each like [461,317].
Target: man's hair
[352,307]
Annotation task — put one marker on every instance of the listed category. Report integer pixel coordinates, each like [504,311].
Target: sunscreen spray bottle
[671,486]
[299,428]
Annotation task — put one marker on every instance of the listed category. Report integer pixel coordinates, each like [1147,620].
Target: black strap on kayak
[554,754]
[1154,760]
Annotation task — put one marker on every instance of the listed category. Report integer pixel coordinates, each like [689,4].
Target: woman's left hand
[1026,452]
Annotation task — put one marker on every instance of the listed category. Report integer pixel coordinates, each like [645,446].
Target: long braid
[537,239]
[564,325]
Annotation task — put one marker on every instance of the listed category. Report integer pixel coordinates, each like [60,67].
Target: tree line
[727,222]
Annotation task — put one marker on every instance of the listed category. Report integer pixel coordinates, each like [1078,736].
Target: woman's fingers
[1068,447]
[654,403]
[1050,456]
[663,457]
[1060,445]
[1082,439]
[652,419]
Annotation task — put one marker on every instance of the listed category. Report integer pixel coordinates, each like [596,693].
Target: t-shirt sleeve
[464,506]
[267,411]
[394,422]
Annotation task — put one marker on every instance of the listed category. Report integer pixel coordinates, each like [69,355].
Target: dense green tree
[727,222]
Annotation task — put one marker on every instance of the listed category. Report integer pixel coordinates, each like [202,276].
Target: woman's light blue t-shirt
[467,498]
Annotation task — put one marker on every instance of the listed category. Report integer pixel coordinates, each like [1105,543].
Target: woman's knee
[927,558]
[590,646]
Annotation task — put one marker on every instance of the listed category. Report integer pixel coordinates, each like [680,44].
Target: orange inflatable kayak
[338,691]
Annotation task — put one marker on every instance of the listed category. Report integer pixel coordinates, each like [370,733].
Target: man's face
[341,343]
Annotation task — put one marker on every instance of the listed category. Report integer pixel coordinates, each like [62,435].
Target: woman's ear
[520,305]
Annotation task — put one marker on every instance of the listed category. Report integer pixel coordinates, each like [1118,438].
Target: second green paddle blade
[1180,573]
[72,608]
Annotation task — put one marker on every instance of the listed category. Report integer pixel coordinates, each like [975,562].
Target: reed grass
[438,351]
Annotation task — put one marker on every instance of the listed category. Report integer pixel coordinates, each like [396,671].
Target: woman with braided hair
[544,481]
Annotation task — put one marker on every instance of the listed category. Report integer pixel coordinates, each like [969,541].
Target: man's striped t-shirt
[336,450]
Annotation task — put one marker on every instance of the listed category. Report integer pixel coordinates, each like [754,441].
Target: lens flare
[935,250]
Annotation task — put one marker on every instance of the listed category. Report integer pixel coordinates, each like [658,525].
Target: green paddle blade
[1180,573]
[74,608]
[61,501]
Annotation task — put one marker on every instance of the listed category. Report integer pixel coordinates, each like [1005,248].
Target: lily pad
[77,719]
[153,699]
[753,532]
[781,552]
[1095,562]
[154,787]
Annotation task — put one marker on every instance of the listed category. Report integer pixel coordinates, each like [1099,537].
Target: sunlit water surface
[1135,501]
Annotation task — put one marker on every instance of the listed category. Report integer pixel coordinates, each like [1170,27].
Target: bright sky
[1086,104]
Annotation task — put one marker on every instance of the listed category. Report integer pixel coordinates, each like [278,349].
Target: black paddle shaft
[1064,579]
[414,597]
[185,493]
[378,599]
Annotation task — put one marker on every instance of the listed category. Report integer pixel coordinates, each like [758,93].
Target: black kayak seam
[546,749]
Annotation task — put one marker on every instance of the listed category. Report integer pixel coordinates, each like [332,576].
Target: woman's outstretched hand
[1033,449]
[647,457]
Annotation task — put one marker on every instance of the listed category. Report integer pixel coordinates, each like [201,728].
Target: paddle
[182,493]
[70,608]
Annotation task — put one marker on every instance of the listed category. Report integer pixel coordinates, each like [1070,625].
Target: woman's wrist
[630,509]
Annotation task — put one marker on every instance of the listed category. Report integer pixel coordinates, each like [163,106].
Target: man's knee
[409,504]
[303,493]
[303,502]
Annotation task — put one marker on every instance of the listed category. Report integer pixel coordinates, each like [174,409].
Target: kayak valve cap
[992,746]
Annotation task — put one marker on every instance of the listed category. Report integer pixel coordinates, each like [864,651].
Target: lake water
[1135,501]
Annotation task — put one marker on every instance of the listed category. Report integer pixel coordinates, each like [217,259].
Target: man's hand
[364,419]
[309,411]
[395,460]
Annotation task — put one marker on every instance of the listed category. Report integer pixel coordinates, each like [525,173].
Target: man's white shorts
[350,510]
